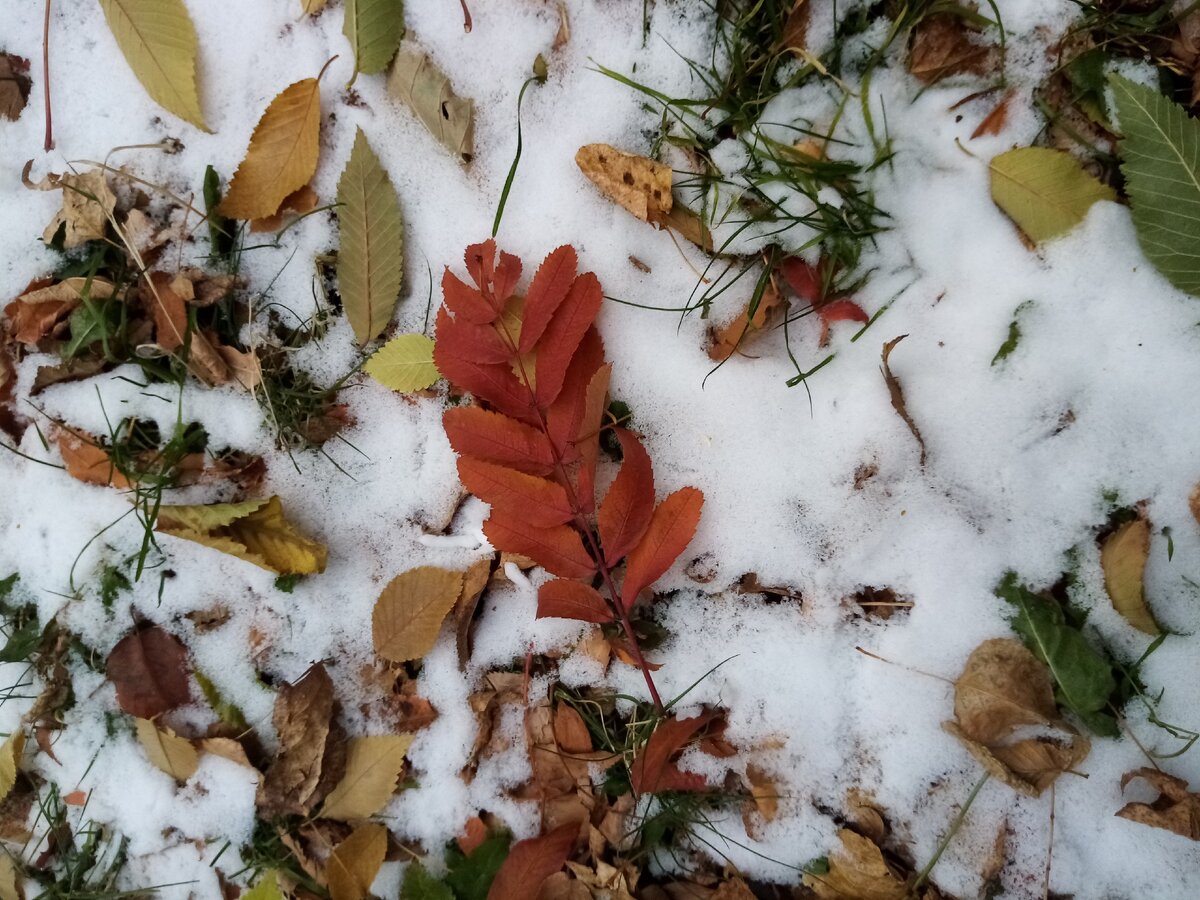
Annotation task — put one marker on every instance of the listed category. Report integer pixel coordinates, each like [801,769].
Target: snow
[1020,454]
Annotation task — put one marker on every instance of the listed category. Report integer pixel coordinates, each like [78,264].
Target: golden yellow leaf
[639,184]
[9,888]
[10,761]
[226,748]
[282,155]
[167,751]
[372,766]
[355,862]
[857,871]
[409,613]
[311,7]
[1123,559]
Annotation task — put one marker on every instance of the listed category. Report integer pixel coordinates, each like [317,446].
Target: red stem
[49,142]
[466,16]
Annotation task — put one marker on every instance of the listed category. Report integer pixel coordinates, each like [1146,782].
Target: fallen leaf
[795,27]
[409,613]
[10,889]
[653,769]
[1045,192]
[473,834]
[994,121]
[311,754]
[1123,556]
[492,437]
[244,367]
[1194,503]
[897,394]
[168,310]
[88,201]
[670,530]
[87,461]
[158,40]
[14,85]
[205,361]
[570,731]
[558,550]
[416,81]
[253,530]
[629,504]
[30,322]
[167,751]
[355,862]
[266,888]
[1175,810]
[374,29]
[311,7]
[637,183]
[298,202]
[10,761]
[540,501]
[226,748]
[749,325]
[530,862]
[858,870]
[566,599]
[373,765]
[942,46]
[149,669]
[282,155]
[764,793]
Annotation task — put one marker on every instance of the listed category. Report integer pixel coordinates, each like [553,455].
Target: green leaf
[1046,192]
[158,40]
[420,885]
[227,712]
[371,251]
[1014,335]
[95,321]
[374,29]
[415,80]
[1160,153]
[404,364]
[1083,678]
[22,640]
[470,877]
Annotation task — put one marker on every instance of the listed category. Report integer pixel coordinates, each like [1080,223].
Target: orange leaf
[547,291]
[540,502]
[994,122]
[75,798]
[670,531]
[565,599]
[170,312]
[496,283]
[588,439]
[629,503]
[558,550]
[494,383]
[33,321]
[564,334]
[565,414]
[474,833]
[480,343]
[653,769]
[531,862]
[87,461]
[496,438]
[466,301]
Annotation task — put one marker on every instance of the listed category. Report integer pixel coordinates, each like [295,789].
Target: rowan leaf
[637,183]
[530,862]
[496,438]
[1046,192]
[567,599]
[1123,558]
[416,81]
[282,155]
[158,40]
[253,530]
[1160,158]
[627,507]
[466,301]
[653,769]
[564,334]
[404,364]
[373,764]
[558,550]
[371,241]
[10,761]
[409,613]
[167,751]
[149,669]
[547,291]
[1175,810]
[479,343]
[355,862]
[543,503]
[586,439]
[494,383]
[374,29]
[670,531]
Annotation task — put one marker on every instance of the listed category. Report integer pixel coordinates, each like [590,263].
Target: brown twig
[49,142]
[466,17]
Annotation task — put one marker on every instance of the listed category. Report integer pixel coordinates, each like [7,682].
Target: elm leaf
[409,613]
[167,751]
[374,29]
[372,766]
[1046,192]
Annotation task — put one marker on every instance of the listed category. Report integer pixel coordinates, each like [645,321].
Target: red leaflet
[804,279]
[490,436]
[670,531]
[654,771]
[839,311]
[465,301]
[494,383]
[566,412]
[480,260]
[564,599]
[563,335]
[480,343]
[546,293]
[540,502]
[587,439]
[508,273]
[629,503]
[531,862]
[558,550]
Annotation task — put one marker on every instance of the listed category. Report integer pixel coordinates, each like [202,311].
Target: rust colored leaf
[565,414]
[994,122]
[479,343]
[466,301]
[168,309]
[629,504]
[570,731]
[839,311]
[493,383]
[150,671]
[300,201]
[547,291]
[564,334]
[804,279]
[541,502]
[312,750]
[30,322]
[1175,810]
[566,599]
[14,85]
[558,550]
[728,339]
[897,394]
[531,862]
[496,438]
[87,461]
[670,531]
[587,443]
[942,46]
[653,769]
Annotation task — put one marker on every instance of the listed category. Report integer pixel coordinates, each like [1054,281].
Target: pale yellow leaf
[266,888]
[88,201]
[167,751]
[372,766]
[1046,192]
[1123,559]
[282,155]
[10,761]
[355,862]
[409,613]
[415,80]
[404,363]
[10,888]
[158,40]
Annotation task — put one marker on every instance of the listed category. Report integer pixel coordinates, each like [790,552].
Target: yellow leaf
[282,155]
[857,871]
[1123,559]
[639,184]
[372,766]
[404,364]
[267,888]
[254,530]
[10,760]
[311,7]
[9,888]
[158,40]
[167,751]
[1046,192]
[355,862]
[409,613]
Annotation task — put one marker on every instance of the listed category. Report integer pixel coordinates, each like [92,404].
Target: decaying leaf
[149,669]
[1046,192]
[417,82]
[253,530]
[14,85]
[87,461]
[637,183]
[10,761]
[654,769]
[994,122]
[1175,810]
[167,751]
[897,394]
[282,155]
[355,862]
[942,46]
[88,201]
[1123,558]
[764,796]
[409,613]
[857,870]
[374,29]
[373,764]
[244,367]
[311,756]
[530,862]
[749,325]
[168,310]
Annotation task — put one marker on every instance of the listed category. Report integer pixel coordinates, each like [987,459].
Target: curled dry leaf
[749,325]
[1175,810]
[417,82]
[897,393]
[1123,556]
[373,764]
[409,613]
[87,204]
[168,310]
[857,870]
[355,862]
[149,669]
[167,751]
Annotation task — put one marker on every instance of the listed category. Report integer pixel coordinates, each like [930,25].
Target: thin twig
[49,142]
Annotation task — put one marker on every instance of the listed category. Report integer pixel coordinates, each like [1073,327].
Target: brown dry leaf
[409,613]
[942,46]
[244,367]
[168,310]
[70,290]
[14,85]
[475,582]
[30,322]
[764,795]
[373,764]
[1175,810]
[570,731]
[866,818]
[734,888]
[897,394]
[994,122]
[149,669]
[205,362]
[298,202]
[795,28]
[86,460]
[167,751]
[87,204]
[303,717]
[1194,503]
[746,328]
[858,870]
[355,862]
[637,183]
[1123,556]
[563,35]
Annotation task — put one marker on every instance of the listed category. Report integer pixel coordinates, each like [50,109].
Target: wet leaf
[10,761]
[1175,810]
[374,29]
[1046,192]
[417,82]
[409,613]
[1123,558]
[857,870]
[311,755]
[471,876]
[149,669]
[373,764]
[167,751]
[355,862]
[637,183]
[531,862]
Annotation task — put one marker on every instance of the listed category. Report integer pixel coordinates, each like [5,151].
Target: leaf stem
[955,825]
[48,144]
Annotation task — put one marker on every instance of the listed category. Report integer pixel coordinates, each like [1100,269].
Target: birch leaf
[372,766]
[374,29]
[158,40]
[416,81]
[267,888]
[370,255]
[1046,192]
[1160,153]
[167,751]
[1123,560]
[10,758]
[409,613]
[355,862]
[282,155]
[404,364]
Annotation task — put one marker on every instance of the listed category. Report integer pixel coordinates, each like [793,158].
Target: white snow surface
[1021,454]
